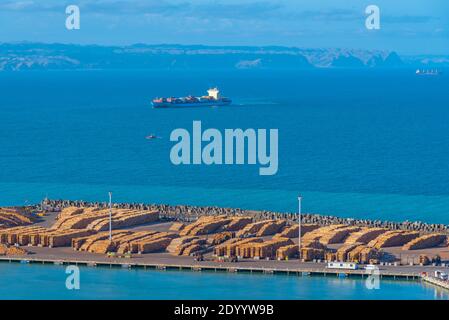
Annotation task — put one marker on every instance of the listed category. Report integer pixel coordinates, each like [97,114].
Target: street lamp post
[299,226]
[110,216]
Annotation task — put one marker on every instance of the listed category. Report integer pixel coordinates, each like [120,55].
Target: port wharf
[292,268]
[297,269]
[186,213]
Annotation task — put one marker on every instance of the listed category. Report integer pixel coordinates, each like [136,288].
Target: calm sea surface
[371,144]
[48,282]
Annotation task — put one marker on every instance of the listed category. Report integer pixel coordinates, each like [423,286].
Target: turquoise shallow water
[369,143]
[48,282]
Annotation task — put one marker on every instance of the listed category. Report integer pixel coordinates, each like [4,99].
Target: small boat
[151,136]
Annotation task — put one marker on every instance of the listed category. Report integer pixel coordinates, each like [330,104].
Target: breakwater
[186,213]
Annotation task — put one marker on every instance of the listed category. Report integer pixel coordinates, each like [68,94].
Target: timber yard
[218,239]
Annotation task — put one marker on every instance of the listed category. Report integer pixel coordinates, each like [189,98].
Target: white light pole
[299,226]
[110,216]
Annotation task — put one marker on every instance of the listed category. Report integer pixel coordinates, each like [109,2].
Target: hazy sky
[412,26]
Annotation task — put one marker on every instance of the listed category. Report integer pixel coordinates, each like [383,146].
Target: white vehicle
[342,265]
[441,275]
[371,267]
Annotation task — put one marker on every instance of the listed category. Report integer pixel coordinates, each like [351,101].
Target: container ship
[213,98]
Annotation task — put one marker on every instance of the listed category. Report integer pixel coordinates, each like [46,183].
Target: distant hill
[37,56]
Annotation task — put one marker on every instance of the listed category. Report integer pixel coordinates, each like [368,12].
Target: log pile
[271,228]
[317,234]
[153,245]
[363,254]
[19,235]
[315,245]
[286,252]
[221,237]
[393,239]
[238,223]
[11,217]
[98,219]
[125,242]
[177,245]
[253,228]
[368,255]
[62,238]
[309,254]
[8,250]
[261,250]
[176,227]
[426,241]
[205,225]
[292,231]
[124,219]
[84,243]
[229,248]
[194,246]
[69,212]
[365,235]
[78,218]
[337,235]
[343,251]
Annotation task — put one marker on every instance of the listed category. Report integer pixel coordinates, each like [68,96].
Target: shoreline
[406,267]
[188,213]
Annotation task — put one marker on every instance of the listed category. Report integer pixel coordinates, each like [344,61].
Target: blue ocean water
[48,282]
[369,143]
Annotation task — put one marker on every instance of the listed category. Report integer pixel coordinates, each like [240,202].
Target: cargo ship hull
[187,104]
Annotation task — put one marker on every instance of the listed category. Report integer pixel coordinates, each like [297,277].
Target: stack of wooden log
[238,223]
[343,251]
[19,235]
[8,250]
[12,217]
[261,250]
[39,236]
[229,248]
[309,254]
[317,234]
[155,243]
[292,231]
[393,239]
[337,235]
[287,252]
[125,241]
[426,241]
[125,219]
[98,219]
[363,254]
[176,227]
[221,237]
[365,235]
[205,225]
[264,227]
[271,228]
[78,218]
[186,245]
[84,243]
